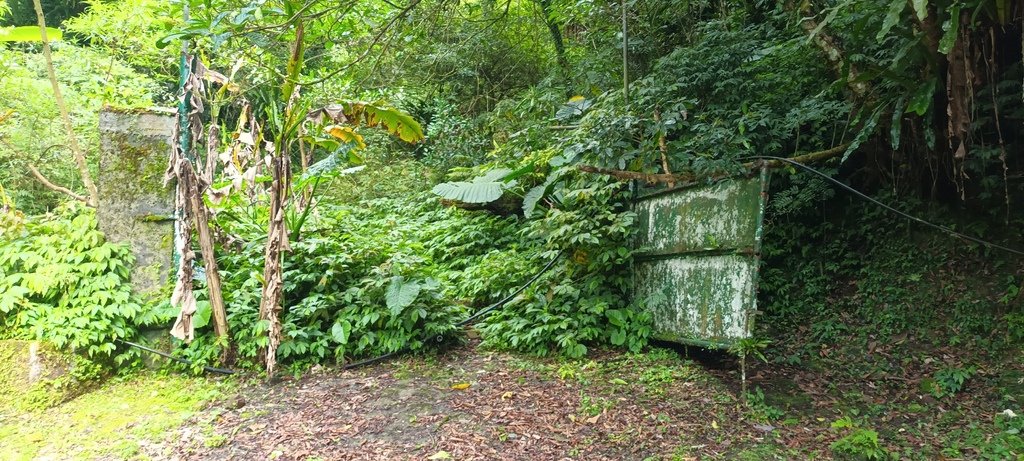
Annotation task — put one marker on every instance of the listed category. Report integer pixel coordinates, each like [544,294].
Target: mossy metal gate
[698,255]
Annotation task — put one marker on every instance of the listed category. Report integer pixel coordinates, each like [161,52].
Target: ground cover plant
[124,419]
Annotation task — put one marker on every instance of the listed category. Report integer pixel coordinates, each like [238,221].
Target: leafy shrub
[1002,440]
[858,442]
[950,380]
[759,408]
[1009,441]
[719,100]
[862,273]
[585,298]
[452,139]
[367,279]
[61,282]
[387,274]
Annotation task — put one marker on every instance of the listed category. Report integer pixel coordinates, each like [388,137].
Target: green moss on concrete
[139,110]
[10,368]
[145,164]
[135,205]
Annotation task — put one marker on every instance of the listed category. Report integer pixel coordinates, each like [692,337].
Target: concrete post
[134,205]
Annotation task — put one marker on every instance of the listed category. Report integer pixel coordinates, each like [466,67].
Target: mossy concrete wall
[134,205]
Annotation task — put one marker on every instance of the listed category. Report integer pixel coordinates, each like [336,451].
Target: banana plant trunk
[277,233]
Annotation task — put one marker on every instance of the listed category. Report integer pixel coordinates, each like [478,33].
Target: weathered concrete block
[35,375]
[135,207]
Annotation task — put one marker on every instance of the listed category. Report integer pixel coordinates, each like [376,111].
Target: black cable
[370,361]
[465,322]
[223,371]
[511,296]
[887,207]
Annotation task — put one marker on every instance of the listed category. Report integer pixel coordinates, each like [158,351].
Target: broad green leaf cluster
[61,282]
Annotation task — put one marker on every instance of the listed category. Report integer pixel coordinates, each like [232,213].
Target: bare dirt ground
[472,404]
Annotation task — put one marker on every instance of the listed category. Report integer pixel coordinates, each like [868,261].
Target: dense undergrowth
[61,281]
[930,323]
[342,279]
[866,275]
[921,106]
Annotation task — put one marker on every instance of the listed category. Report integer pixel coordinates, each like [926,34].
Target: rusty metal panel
[698,256]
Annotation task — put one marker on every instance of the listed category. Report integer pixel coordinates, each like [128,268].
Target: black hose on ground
[510,297]
[222,371]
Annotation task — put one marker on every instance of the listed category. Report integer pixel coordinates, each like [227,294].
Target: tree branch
[652,178]
[49,185]
[376,39]
[76,150]
[829,47]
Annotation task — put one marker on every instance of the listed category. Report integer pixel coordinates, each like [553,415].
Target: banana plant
[335,129]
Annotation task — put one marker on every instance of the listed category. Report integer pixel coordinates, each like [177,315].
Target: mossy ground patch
[127,418]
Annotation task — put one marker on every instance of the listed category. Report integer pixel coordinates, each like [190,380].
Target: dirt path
[611,408]
[470,404]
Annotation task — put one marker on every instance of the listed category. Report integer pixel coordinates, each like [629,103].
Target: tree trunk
[58,97]
[213,285]
[277,235]
[190,203]
[557,40]
[273,285]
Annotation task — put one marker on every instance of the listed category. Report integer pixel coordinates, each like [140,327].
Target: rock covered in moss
[35,375]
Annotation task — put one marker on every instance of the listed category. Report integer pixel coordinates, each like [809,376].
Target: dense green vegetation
[61,281]
[470,122]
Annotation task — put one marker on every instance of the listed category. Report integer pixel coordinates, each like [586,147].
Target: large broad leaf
[202,316]
[344,155]
[575,107]
[469,192]
[896,125]
[485,189]
[347,135]
[28,34]
[495,175]
[534,196]
[921,100]
[920,8]
[340,331]
[951,27]
[397,122]
[400,294]
[865,132]
[522,171]
[892,16]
